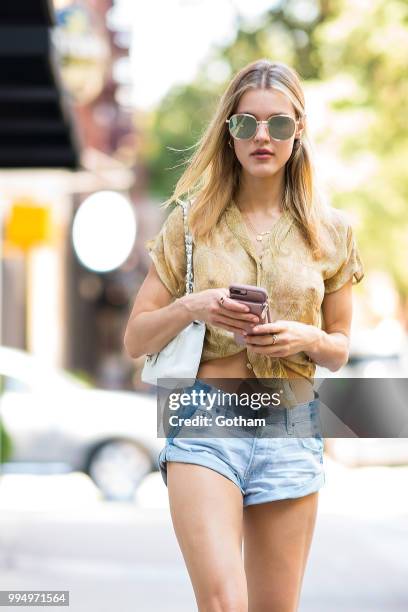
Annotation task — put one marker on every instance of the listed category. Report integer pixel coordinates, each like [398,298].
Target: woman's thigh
[277,539]
[207,513]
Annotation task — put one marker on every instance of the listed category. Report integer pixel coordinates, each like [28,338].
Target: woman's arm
[331,346]
[157,317]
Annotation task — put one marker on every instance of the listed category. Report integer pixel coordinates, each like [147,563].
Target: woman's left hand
[291,337]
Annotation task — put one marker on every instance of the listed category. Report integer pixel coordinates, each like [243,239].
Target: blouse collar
[238,227]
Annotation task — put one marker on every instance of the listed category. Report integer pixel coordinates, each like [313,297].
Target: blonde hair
[212,178]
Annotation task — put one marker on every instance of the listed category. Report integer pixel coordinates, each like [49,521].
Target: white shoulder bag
[177,363]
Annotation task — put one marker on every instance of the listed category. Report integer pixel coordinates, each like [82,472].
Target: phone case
[257,300]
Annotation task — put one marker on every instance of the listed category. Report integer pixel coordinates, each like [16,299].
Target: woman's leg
[277,539]
[207,511]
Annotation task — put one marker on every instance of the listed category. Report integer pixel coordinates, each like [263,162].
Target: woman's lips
[262,155]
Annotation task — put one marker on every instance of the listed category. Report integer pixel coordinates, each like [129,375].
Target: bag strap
[188,240]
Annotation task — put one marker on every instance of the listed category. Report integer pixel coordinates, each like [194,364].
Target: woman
[256,219]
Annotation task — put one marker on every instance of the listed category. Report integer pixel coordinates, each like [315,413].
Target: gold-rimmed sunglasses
[243,126]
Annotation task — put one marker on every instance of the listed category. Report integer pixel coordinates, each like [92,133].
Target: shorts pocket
[309,428]
[314,444]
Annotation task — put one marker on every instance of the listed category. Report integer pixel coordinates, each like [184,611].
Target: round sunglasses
[243,126]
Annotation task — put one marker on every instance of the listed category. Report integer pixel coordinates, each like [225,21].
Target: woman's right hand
[230,315]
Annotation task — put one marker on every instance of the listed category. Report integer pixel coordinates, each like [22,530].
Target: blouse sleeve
[167,250]
[350,267]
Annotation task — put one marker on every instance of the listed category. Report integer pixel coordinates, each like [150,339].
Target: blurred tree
[368,42]
[173,127]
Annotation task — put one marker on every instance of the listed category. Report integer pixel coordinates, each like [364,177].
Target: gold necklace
[259,235]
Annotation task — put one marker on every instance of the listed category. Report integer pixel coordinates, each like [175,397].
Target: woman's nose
[262,131]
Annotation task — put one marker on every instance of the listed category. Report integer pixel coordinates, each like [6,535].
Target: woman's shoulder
[173,224]
[337,222]
[176,212]
[171,231]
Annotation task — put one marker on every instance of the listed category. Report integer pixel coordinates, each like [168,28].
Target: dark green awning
[37,127]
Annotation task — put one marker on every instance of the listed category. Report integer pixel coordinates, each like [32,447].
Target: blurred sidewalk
[116,556]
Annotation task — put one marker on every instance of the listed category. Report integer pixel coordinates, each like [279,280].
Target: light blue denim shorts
[264,467]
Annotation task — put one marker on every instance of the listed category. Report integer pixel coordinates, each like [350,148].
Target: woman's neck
[264,205]
[257,195]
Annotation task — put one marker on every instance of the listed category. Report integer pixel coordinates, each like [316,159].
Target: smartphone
[257,300]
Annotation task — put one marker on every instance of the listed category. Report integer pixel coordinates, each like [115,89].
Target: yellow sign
[28,225]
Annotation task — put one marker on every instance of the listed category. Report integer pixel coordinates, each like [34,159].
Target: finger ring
[274,338]
[221,300]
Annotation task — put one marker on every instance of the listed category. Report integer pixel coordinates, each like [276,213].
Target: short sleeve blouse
[167,250]
[295,282]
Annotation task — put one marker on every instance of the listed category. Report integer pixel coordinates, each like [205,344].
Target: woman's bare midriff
[235,366]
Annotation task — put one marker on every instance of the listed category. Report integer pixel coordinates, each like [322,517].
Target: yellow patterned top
[296,284]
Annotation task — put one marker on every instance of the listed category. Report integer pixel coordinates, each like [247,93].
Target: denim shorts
[264,467]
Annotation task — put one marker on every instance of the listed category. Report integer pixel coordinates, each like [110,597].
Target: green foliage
[5,441]
[83,377]
[369,42]
[5,444]
[176,124]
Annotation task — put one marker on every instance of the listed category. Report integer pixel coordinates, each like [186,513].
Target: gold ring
[274,338]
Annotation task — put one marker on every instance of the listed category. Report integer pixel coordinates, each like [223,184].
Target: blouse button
[249,366]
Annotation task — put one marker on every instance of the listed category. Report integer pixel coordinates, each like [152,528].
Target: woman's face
[262,103]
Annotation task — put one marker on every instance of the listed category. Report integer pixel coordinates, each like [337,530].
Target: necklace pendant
[259,237]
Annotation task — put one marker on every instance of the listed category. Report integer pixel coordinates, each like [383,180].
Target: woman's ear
[300,127]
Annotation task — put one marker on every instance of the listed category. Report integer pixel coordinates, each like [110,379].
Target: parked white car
[58,423]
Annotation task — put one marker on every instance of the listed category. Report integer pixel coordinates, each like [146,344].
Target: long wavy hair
[212,177]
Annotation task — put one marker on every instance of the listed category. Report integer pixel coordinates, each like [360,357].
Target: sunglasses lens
[242,126]
[281,128]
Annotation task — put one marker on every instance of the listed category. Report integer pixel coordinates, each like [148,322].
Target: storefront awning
[36,123]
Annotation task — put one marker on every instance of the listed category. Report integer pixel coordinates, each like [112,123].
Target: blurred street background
[101,103]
